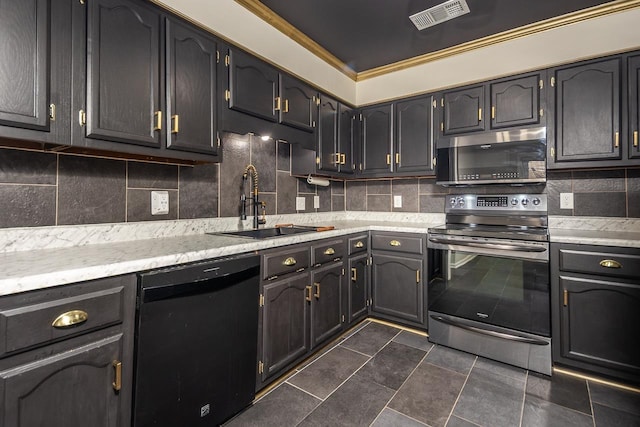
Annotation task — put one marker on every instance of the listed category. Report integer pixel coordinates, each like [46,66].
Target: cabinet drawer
[327,251]
[283,261]
[611,263]
[358,244]
[409,243]
[27,320]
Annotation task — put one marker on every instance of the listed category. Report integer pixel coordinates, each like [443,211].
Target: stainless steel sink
[267,233]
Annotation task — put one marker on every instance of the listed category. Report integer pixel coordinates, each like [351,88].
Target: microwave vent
[440,13]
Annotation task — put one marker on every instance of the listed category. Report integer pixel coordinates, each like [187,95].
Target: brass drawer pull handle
[158,117]
[388,159]
[635,138]
[609,263]
[329,251]
[343,159]
[337,162]
[359,244]
[176,123]
[395,243]
[278,106]
[354,274]
[309,290]
[317,294]
[286,106]
[117,368]
[70,318]
[291,261]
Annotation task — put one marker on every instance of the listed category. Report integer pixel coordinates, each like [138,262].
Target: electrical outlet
[566,200]
[316,202]
[300,203]
[159,202]
[397,201]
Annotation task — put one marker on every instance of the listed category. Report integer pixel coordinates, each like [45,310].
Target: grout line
[404,415]
[57,208]
[461,389]
[26,184]
[524,397]
[301,389]
[593,414]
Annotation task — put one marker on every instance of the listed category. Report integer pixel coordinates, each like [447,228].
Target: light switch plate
[300,204]
[159,202]
[316,202]
[397,201]
[566,200]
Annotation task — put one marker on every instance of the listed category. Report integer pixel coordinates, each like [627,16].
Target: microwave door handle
[501,246]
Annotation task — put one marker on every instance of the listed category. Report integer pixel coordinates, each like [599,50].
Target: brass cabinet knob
[291,261]
[329,251]
[359,244]
[395,243]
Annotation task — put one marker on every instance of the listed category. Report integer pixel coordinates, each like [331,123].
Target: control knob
[453,201]
[460,202]
[525,201]
[514,201]
[536,201]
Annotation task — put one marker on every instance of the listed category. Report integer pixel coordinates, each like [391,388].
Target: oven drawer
[395,242]
[285,260]
[606,263]
[358,244]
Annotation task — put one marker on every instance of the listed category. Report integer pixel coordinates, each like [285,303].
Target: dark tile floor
[382,376]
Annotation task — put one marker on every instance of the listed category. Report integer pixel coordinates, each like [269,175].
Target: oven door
[497,282]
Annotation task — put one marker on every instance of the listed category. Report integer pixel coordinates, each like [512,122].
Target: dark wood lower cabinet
[74,387]
[397,290]
[326,303]
[52,375]
[357,284]
[595,300]
[285,332]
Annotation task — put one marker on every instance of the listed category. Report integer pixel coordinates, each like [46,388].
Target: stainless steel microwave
[508,157]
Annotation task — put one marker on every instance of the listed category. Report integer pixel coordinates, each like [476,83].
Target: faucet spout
[251,170]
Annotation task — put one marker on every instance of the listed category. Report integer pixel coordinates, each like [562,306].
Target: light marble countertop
[32,259]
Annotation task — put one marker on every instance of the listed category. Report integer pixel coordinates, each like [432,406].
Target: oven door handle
[501,246]
[495,334]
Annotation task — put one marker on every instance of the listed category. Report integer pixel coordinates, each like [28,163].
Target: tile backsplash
[45,188]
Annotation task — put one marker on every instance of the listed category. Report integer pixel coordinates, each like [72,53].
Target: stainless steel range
[489,291]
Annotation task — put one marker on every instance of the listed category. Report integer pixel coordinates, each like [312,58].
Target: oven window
[507,292]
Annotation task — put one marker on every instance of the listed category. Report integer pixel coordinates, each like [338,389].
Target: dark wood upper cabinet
[297,104]
[463,110]
[253,85]
[515,102]
[414,137]
[24,74]
[347,139]
[587,113]
[377,131]
[191,90]
[634,107]
[123,73]
[327,149]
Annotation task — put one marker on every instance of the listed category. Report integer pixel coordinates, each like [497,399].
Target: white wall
[595,37]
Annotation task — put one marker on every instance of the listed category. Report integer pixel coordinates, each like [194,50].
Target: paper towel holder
[322,182]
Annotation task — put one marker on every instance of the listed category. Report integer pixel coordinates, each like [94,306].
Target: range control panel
[496,203]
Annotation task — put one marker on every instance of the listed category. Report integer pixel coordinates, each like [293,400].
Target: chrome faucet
[254,196]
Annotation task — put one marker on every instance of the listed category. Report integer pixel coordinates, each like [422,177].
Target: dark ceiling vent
[440,13]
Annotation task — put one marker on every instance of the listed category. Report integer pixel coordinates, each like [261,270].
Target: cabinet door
[191,90]
[414,136]
[463,110]
[285,323]
[328,134]
[123,72]
[600,323]
[24,73]
[298,106]
[634,107]
[357,287]
[397,287]
[253,85]
[377,132]
[515,102]
[326,303]
[347,139]
[74,387]
[587,112]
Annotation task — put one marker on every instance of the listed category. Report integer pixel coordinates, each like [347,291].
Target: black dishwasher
[196,342]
